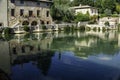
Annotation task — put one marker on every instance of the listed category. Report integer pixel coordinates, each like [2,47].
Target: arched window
[25,23]
[34,23]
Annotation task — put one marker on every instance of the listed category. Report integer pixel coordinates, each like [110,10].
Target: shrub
[95,29]
[8,37]
[72,28]
[82,17]
[44,27]
[103,29]
[114,15]
[99,29]
[26,28]
[25,23]
[7,30]
[118,26]
[67,28]
[59,29]
[82,28]
[103,15]
[92,22]
[94,17]
[107,23]
[88,28]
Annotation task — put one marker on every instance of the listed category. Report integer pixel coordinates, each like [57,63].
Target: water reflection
[61,56]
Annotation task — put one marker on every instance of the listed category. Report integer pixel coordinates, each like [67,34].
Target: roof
[82,7]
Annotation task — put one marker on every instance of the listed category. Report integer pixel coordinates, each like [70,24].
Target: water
[60,56]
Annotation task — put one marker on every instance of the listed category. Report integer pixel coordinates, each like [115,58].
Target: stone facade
[27,12]
[84,9]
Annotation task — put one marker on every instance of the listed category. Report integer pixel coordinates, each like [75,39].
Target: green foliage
[82,28]
[60,11]
[107,12]
[118,27]
[103,15]
[85,2]
[82,17]
[44,27]
[67,29]
[7,30]
[114,15]
[92,22]
[62,2]
[25,23]
[88,28]
[107,23]
[99,29]
[94,17]
[118,8]
[108,4]
[101,5]
[27,36]
[95,29]
[8,37]
[26,28]
[103,29]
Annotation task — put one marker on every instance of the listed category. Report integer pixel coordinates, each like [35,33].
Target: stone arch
[25,22]
[23,48]
[34,23]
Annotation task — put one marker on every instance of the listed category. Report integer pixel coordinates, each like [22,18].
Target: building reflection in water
[40,47]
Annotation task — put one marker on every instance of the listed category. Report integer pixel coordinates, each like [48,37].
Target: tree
[108,4]
[118,8]
[98,4]
[82,17]
[107,12]
[84,2]
[60,11]
[107,23]
[26,28]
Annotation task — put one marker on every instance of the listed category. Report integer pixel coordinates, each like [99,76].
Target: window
[30,13]
[47,22]
[47,13]
[21,12]
[1,24]
[12,1]
[38,3]
[21,1]
[38,13]
[12,12]
[92,10]
[47,4]
[42,22]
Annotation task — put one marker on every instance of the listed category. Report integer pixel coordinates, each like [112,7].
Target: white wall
[85,10]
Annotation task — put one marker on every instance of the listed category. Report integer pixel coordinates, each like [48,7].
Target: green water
[61,56]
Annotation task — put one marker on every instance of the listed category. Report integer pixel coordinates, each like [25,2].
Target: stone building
[25,12]
[84,9]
